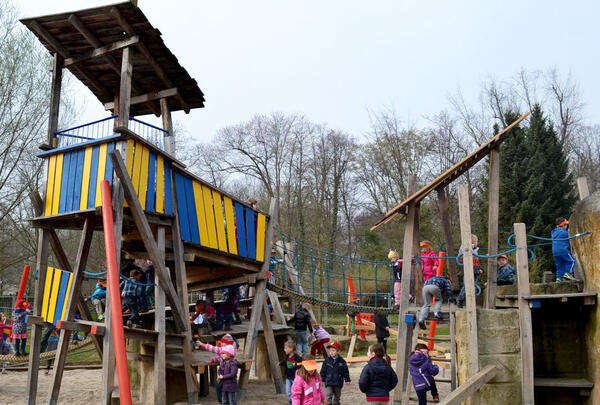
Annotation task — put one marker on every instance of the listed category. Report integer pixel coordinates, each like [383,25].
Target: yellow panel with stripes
[57,290]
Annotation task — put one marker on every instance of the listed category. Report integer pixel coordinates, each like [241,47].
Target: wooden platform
[240,331]
[576,383]
[511,300]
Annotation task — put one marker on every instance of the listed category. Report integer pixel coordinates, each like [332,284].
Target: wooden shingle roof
[91,42]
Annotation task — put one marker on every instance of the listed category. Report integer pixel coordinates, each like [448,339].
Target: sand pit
[83,387]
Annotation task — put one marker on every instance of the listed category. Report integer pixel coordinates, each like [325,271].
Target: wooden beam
[103,50]
[125,88]
[220,258]
[160,354]
[211,285]
[277,310]
[471,386]
[167,122]
[146,233]
[446,226]
[57,66]
[469,282]
[493,212]
[526,331]
[582,187]
[143,98]
[272,349]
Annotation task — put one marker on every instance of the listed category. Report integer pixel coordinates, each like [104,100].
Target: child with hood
[226,340]
[377,378]
[19,327]
[429,263]
[422,370]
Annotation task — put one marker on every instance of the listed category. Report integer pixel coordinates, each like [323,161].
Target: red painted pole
[433,324]
[23,283]
[114,295]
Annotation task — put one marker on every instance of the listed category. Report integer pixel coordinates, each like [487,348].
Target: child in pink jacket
[307,388]
[429,264]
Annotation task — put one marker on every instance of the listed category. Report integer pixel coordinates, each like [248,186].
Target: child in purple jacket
[227,375]
[422,370]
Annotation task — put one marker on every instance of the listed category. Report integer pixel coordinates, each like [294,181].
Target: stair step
[435,339]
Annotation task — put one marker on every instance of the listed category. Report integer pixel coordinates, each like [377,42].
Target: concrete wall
[498,335]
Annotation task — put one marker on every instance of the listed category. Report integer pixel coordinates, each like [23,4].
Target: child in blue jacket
[561,250]
[422,370]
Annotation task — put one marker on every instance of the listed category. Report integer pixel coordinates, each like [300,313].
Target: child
[561,250]
[291,364]
[131,292]
[429,264]
[378,378]
[382,328]
[225,315]
[333,374]
[52,345]
[19,327]
[226,340]
[307,389]
[351,314]
[434,287]
[5,328]
[476,269]
[98,298]
[320,337]
[506,272]
[396,266]
[422,370]
[302,320]
[204,310]
[227,375]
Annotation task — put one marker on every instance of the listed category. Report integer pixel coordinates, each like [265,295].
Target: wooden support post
[469,282]
[582,187]
[405,330]
[160,355]
[453,371]
[167,122]
[450,251]
[493,211]
[417,271]
[57,67]
[125,90]
[63,342]
[526,331]
[471,386]
[272,350]
[36,329]
[259,297]
[277,310]
[352,344]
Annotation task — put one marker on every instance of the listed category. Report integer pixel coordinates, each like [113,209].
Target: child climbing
[476,268]
[131,290]
[382,327]
[98,298]
[561,250]
[334,373]
[506,272]
[435,287]
[227,375]
[422,370]
[291,363]
[319,337]
[226,340]
[19,326]
[429,264]
[307,387]
[377,378]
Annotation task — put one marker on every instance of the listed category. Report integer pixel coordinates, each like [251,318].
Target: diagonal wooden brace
[148,238]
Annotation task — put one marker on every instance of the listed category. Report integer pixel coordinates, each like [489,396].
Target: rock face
[498,338]
[586,217]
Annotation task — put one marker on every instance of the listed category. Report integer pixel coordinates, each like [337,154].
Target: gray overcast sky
[335,60]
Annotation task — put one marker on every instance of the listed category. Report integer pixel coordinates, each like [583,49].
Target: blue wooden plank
[108,175]
[251,232]
[93,177]
[240,225]
[182,207]
[78,179]
[191,208]
[62,293]
[64,183]
[168,189]
[151,193]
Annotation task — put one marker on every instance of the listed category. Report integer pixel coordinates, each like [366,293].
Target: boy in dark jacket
[333,373]
[382,328]
[378,378]
[291,363]
[302,321]
[422,370]
[227,375]
[435,287]
[506,272]
[561,250]
[131,292]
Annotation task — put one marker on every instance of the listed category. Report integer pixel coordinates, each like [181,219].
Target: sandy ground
[83,387]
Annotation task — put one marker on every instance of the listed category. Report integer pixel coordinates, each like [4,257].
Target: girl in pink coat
[307,387]
[429,265]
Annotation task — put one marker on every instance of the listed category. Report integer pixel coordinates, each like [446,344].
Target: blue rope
[90,273]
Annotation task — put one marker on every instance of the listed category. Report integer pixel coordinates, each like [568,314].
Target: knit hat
[227,339]
[229,350]
[335,345]
[393,254]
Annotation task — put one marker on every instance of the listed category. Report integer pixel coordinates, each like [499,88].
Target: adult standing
[302,322]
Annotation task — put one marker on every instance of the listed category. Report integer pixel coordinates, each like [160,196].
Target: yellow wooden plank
[85,180]
[144,176]
[47,288]
[129,159]
[64,308]
[101,173]
[160,184]
[57,181]
[210,217]
[230,221]
[137,165]
[50,184]
[199,202]
[261,230]
[53,295]
[218,206]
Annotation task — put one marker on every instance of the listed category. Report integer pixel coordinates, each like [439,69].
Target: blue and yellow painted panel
[213,220]
[56,295]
